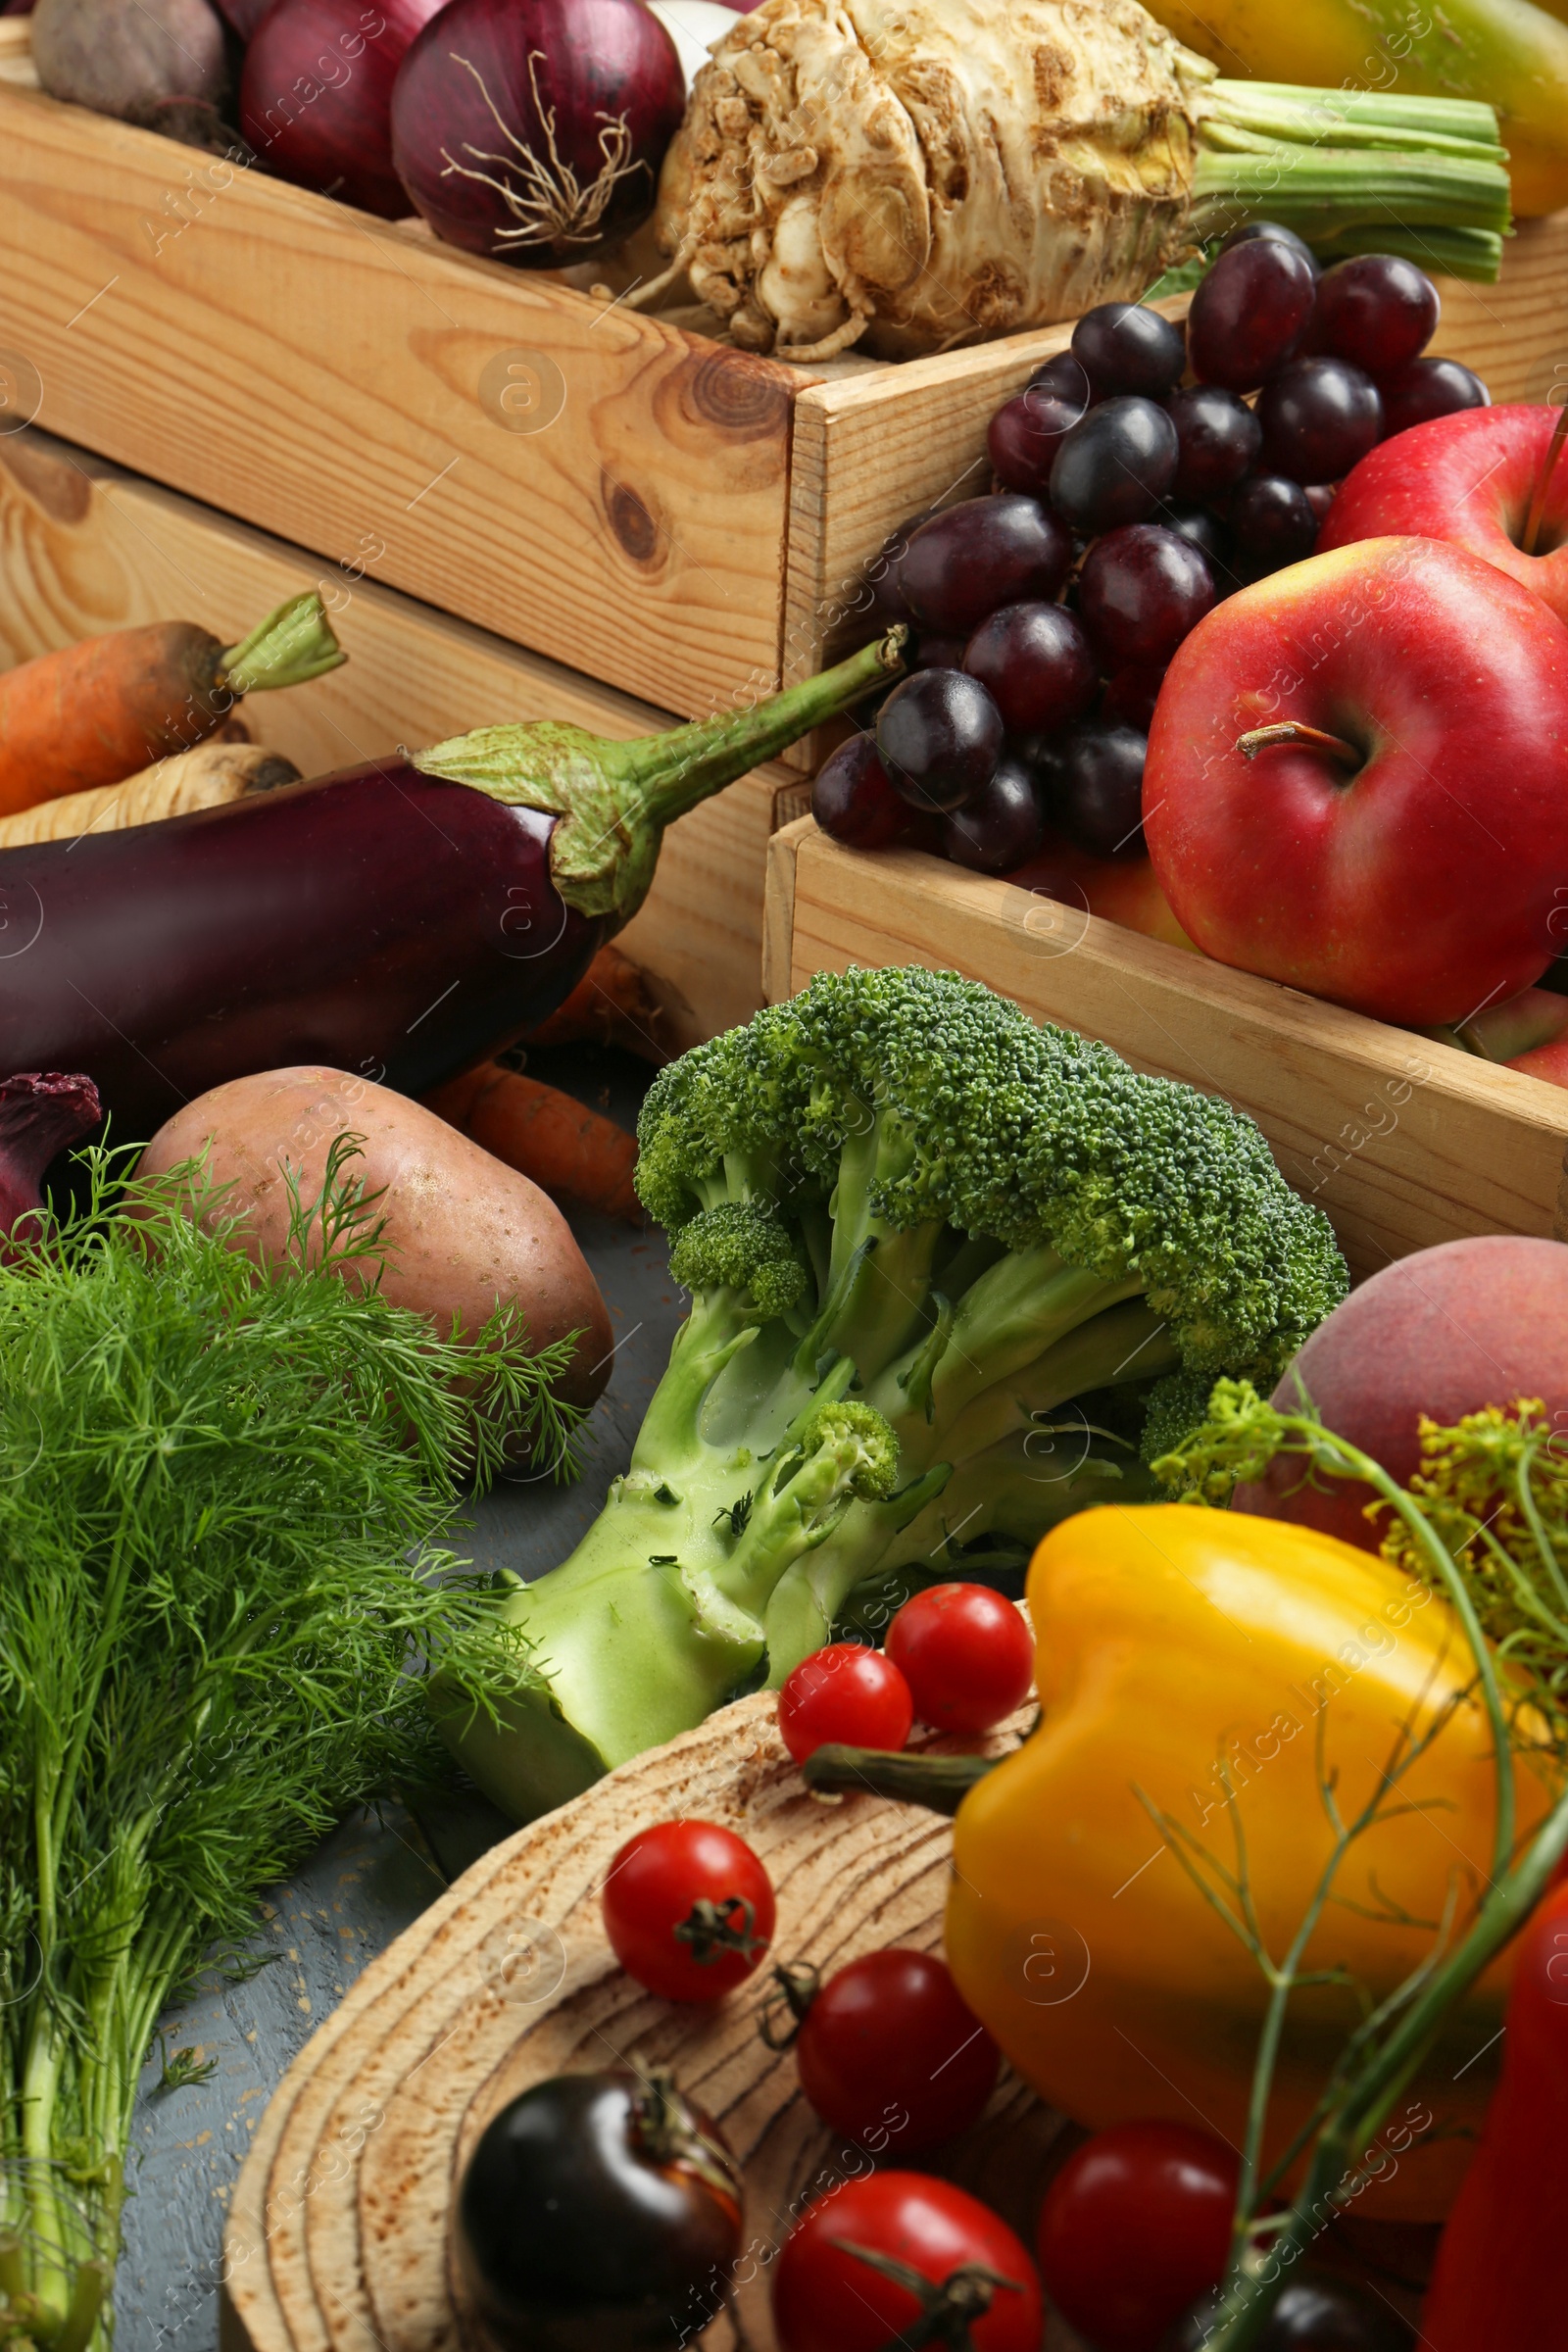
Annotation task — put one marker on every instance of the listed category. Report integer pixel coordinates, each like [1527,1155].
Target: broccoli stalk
[946,1266]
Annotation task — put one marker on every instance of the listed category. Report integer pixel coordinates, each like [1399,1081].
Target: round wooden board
[336,2241]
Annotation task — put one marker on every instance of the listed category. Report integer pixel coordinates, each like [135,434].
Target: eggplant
[401,919]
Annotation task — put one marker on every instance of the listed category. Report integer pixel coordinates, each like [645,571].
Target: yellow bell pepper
[1204,1667]
[1509,54]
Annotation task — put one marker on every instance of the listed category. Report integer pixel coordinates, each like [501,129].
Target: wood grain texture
[84,547]
[330,375]
[337,2234]
[1404,1143]
[879,447]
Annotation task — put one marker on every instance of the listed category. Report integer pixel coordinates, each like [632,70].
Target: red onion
[316,94]
[533,130]
[40,1113]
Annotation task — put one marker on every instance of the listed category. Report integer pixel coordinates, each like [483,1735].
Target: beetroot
[1442,1333]
[315,97]
[533,130]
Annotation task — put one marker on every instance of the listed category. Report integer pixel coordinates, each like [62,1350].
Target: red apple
[1468,478]
[1444,1332]
[1408,853]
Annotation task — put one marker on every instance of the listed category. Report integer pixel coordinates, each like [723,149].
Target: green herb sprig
[222,1487]
[1485,1522]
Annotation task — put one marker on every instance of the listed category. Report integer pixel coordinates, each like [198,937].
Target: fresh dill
[222,1493]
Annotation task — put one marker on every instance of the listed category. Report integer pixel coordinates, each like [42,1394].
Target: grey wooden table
[375,1874]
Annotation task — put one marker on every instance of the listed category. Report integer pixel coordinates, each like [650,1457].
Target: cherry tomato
[967,1655]
[688,1909]
[870,2259]
[599,2209]
[1133,2227]
[844,1692]
[1316,2312]
[887,2051]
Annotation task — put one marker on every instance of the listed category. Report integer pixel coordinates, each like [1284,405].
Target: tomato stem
[1295,730]
[947,2309]
[713,1928]
[798,1981]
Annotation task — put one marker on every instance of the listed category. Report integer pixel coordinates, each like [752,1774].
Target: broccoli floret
[736,1246]
[862,1440]
[927,1240]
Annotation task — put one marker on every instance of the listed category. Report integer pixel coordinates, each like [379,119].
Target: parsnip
[203,778]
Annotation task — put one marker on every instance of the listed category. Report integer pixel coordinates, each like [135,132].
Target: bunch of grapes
[1128,503]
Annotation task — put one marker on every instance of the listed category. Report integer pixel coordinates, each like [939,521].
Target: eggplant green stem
[292,645]
[614,799]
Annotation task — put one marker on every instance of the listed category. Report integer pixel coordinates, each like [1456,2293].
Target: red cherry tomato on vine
[1133,2227]
[688,1909]
[966,1654]
[848,1693]
[832,2293]
[888,2053]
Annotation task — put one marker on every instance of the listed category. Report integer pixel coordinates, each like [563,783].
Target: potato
[464,1233]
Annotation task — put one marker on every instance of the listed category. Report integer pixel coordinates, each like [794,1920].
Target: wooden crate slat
[1404,1143]
[84,547]
[319,372]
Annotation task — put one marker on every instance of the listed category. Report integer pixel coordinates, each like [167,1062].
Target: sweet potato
[465,1233]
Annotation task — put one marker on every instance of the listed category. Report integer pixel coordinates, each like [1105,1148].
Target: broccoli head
[948,1268]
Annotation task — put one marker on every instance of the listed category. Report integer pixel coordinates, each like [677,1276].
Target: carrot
[96,713]
[611,1004]
[545,1135]
[214,772]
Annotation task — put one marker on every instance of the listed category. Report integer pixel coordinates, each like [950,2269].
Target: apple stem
[1295,730]
[1538,499]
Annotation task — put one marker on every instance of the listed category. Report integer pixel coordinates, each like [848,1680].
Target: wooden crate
[689,524]
[1402,1142]
[84,547]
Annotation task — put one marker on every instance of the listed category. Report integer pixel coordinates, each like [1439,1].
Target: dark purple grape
[1066,376]
[882,574]
[1141,590]
[1250,230]
[987,552]
[1378,311]
[933,651]
[1097,797]
[939,736]
[1249,313]
[1213,541]
[1002,825]
[1320,495]
[1126,348]
[1025,435]
[1114,466]
[853,800]
[1319,418]
[1035,662]
[1129,699]
[1272,523]
[1316,2312]
[1217,438]
[1429,388]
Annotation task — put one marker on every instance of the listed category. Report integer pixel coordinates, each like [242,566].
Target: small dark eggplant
[402,919]
[599,2213]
